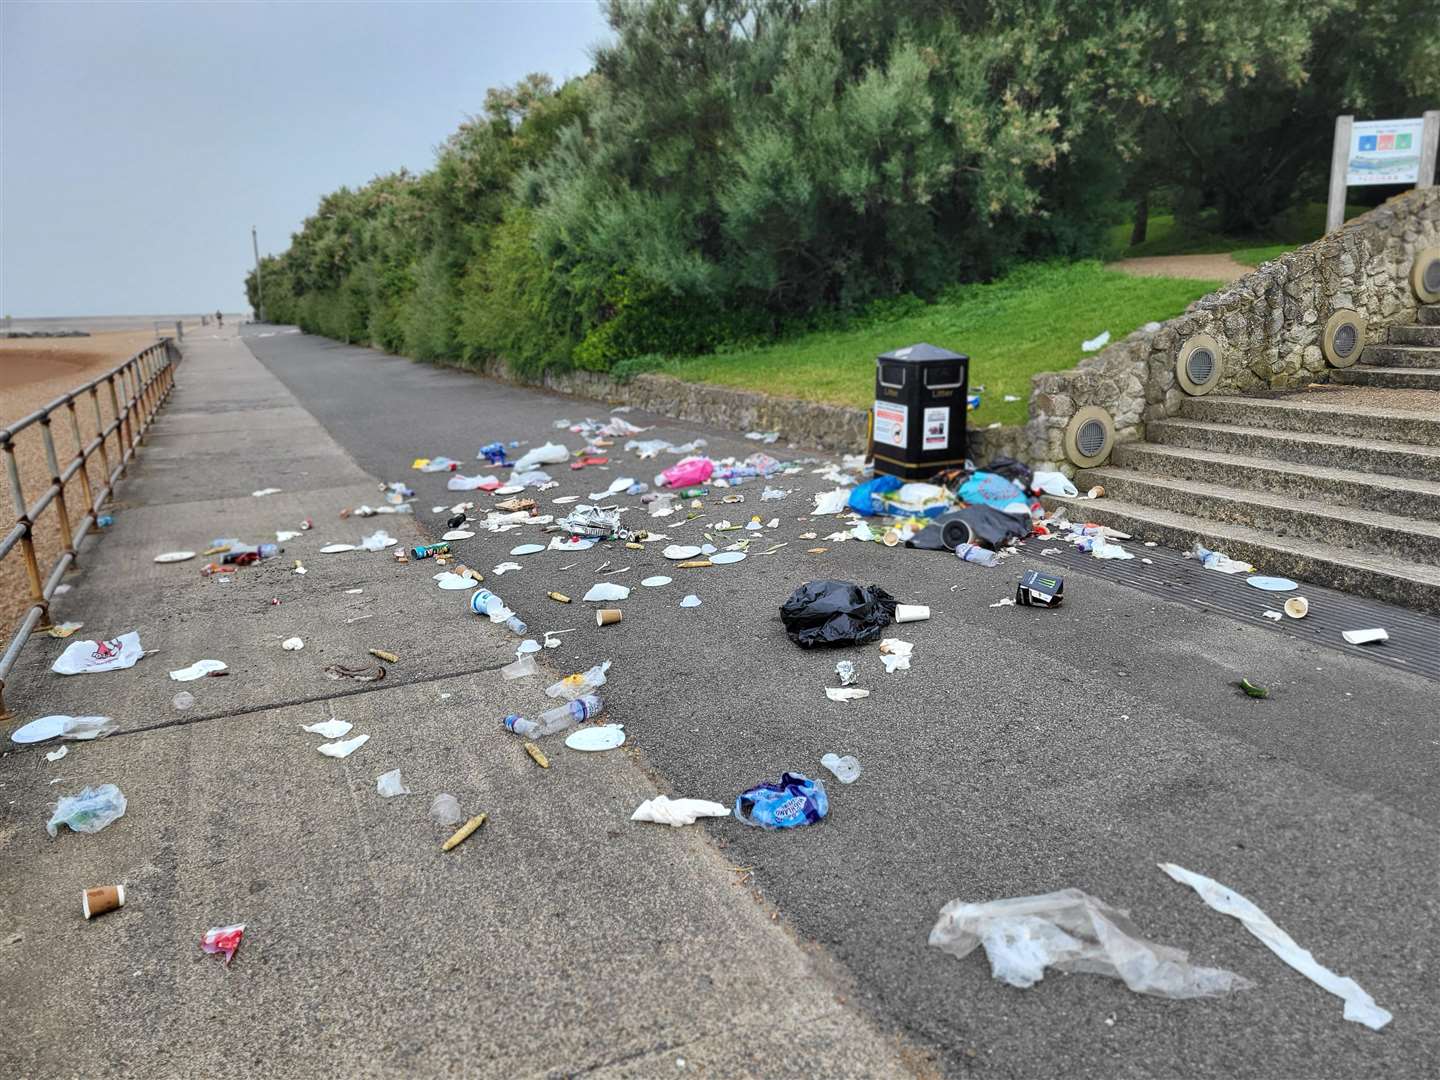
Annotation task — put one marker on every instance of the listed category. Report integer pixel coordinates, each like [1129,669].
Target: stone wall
[1269,325]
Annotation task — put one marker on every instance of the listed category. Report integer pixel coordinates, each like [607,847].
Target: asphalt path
[1026,751]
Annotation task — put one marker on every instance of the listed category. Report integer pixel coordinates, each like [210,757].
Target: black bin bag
[828,612]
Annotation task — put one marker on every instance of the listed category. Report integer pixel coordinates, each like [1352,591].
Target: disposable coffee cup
[608,616]
[1297,607]
[911,613]
[99,901]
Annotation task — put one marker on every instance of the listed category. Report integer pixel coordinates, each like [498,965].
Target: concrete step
[1411,539]
[1396,459]
[1428,315]
[1315,415]
[1415,335]
[1408,378]
[1382,577]
[1406,356]
[1405,497]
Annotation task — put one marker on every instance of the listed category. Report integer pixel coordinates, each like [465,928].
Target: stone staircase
[1336,487]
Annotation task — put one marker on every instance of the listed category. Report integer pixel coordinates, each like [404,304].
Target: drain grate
[1414,643]
[1345,339]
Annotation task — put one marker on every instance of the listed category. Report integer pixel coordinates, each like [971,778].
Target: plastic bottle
[977,554]
[579,684]
[246,554]
[557,719]
[485,602]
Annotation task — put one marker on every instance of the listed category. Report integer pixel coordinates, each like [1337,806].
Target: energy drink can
[424,551]
[1038,589]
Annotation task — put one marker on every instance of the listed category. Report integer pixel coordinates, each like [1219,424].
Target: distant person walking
[219,319]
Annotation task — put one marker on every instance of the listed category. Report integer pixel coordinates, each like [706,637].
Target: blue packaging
[796,800]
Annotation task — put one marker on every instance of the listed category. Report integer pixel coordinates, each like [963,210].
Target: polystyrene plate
[175,556]
[333,549]
[603,737]
[681,551]
[722,557]
[1272,584]
[47,727]
[458,534]
[510,489]
[656,581]
[527,549]
[455,583]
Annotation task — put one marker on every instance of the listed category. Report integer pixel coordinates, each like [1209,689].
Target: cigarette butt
[816,551]
[558,597]
[463,832]
[382,654]
[635,547]
[691,564]
[216,550]
[535,752]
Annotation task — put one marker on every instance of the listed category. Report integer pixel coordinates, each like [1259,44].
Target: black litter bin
[918,426]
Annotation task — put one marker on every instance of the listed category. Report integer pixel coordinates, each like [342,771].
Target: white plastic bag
[1054,483]
[830,502]
[88,657]
[1359,1006]
[1073,931]
[445,810]
[607,590]
[198,670]
[549,454]
[343,749]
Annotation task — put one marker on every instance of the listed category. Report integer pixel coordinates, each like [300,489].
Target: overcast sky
[140,141]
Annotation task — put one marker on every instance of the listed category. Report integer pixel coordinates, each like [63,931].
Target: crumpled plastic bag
[1054,483]
[223,939]
[830,502]
[88,657]
[549,454]
[991,489]
[608,591]
[471,483]
[866,498]
[1359,1006]
[829,612]
[88,812]
[389,784]
[666,811]
[445,810]
[1217,561]
[983,525]
[1073,931]
[687,471]
[796,800]
[378,541]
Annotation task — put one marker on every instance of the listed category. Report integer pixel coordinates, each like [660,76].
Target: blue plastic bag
[864,498]
[796,800]
[990,489]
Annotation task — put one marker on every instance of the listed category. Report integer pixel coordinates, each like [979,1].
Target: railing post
[121,420]
[100,431]
[48,437]
[27,541]
[82,457]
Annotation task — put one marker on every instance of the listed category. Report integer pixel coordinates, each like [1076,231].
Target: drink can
[424,551]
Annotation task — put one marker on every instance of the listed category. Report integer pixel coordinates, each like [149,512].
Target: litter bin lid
[920,352]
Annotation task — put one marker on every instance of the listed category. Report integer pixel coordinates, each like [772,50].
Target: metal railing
[134,390]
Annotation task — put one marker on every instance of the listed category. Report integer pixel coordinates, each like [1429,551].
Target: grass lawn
[1028,322]
[1164,237]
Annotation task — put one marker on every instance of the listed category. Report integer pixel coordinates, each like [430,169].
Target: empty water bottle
[485,602]
[579,684]
[245,554]
[558,718]
[977,554]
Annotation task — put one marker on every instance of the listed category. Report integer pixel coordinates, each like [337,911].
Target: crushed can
[425,551]
[1039,589]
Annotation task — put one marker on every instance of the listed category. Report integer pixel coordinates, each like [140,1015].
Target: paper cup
[1297,607]
[608,616]
[911,613]
[98,901]
[891,537]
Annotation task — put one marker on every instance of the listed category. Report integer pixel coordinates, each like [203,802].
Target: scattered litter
[359,673]
[680,551]
[1214,560]
[445,810]
[1274,616]
[386,655]
[223,939]
[1006,602]
[656,581]
[664,810]
[63,630]
[606,591]
[1096,343]
[1053,483]
[831,502]
[293,644]
[527,549]
[549,454]
[64,727]
[330,729]
[608,616]
[1297,607]
[846,670]
[1010,397]
[378,541]
[796,800]
[177,556]
[505,567]
[343,748]
[895,654]
[523,667]
[1103,549]
[1365,637]
[1271,584]
[452,582]
[56,755]
[463,833]
[389,784]
[335,549]
[265,491]
[1038,589]
[1359,1006]
[561,598]
[599,737]
[1251,690]
[845,693]
[690,601]
[88,812]
[846,769]
[1074,932]
[198,670]
[537,755]
[471,483]
[911,613]
[91,657]
[829,612]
